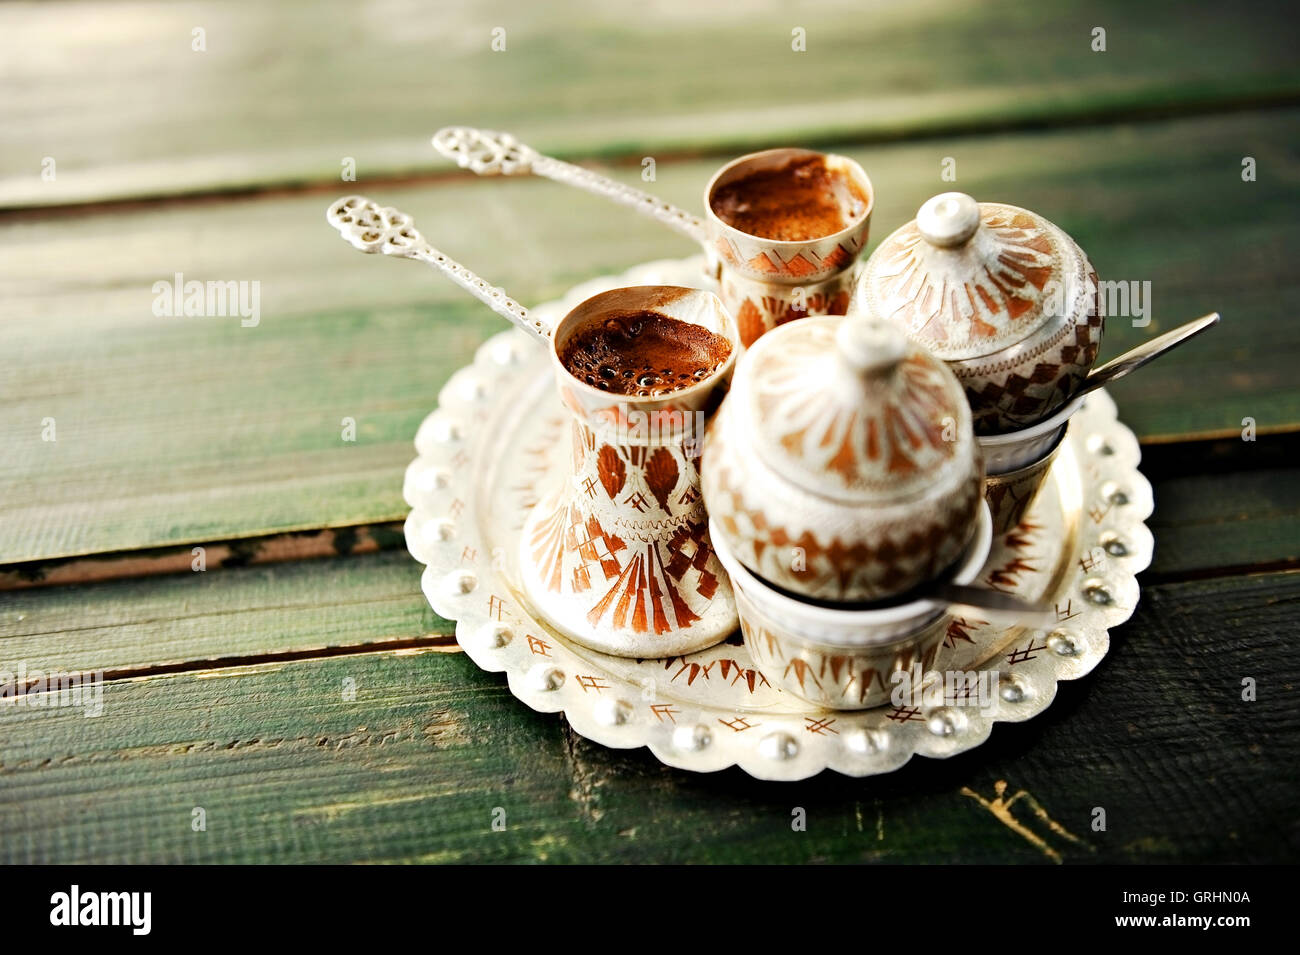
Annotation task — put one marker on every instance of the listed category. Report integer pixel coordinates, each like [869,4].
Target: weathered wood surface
[142,624]
[180,430]
[1205,526]
[117,95]
[226,688]
[1219,524]
[287,770]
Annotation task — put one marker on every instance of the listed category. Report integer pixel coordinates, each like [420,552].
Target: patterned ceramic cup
[767,282]
[843,659]
[1017,462]
[1005,297]
[618,555]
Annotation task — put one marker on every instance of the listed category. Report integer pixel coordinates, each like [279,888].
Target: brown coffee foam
[802,200]
[643,353]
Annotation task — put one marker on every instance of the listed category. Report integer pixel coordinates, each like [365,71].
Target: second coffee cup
[785,228]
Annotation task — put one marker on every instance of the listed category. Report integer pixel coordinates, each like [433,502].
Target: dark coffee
[644,354]
[802,200]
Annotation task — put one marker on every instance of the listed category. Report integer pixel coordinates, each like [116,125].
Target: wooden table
[174,433]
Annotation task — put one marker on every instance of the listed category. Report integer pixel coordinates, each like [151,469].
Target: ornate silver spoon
[489,153]
[372,229]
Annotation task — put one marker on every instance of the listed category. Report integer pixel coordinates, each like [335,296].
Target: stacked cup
[1011,303]
[785,227]
[843,483]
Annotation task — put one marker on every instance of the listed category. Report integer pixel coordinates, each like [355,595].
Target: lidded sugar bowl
[1002,295]
[843,466]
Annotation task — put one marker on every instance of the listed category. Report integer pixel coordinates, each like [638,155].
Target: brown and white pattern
[1011,393]
[768,260]
[890,437]
[1009,495]
[843,678]
[760,307]
[836,484]
[777,533]
[628,536]
[1014,310]
[970,302]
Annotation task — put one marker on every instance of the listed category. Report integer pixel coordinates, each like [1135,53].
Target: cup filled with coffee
[616,554]
[785,227]
[644,353]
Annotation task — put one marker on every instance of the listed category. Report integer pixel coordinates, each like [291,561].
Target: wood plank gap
[1219,454]
[430,643]
[309,544]
[1154,579]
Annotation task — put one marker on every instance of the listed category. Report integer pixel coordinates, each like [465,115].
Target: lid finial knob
[948,219]
[872,346]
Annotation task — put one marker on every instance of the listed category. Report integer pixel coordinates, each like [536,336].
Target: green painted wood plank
[176,430]
[117,96]
[1222,523]
[1204,525]
[288,770]
[161,621]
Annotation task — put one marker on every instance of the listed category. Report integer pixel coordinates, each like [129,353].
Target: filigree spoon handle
[372,228]
[488,153]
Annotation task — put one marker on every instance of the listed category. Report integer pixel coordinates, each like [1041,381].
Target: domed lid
[850,409]
[968,279]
